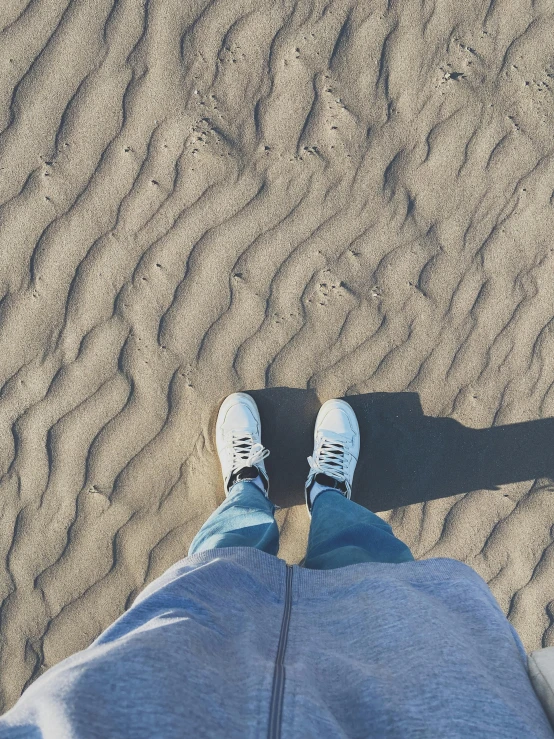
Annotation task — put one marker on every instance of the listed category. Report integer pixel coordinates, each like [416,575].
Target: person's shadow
[405,456]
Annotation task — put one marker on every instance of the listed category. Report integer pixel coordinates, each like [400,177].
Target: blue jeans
[341,531]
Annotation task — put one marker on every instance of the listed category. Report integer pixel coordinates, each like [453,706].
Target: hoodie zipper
[277,692]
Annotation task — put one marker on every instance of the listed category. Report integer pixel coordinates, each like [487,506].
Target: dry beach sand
[300,199]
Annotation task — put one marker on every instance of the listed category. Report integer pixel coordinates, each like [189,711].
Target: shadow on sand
[405,456]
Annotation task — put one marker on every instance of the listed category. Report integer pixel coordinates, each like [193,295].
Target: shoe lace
[245,452]
[329,458]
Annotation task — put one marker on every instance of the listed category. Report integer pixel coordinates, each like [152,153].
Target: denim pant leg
[244,519]
[344,533]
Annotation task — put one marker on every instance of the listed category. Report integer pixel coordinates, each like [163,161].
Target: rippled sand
[319,198]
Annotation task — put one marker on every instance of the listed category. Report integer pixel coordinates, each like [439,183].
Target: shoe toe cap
[338,421]
[238,416]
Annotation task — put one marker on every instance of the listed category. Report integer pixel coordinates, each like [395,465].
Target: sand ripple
[195,198]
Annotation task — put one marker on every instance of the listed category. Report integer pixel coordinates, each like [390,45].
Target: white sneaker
[238,438]
[336,448]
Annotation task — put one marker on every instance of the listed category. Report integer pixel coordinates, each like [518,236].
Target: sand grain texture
[303,199]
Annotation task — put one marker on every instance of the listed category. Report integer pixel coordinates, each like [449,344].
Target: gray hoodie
[236,643]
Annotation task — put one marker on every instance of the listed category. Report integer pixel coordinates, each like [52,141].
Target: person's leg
[343,533]
[244,519]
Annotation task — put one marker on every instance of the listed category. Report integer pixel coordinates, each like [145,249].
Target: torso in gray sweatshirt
[235,643]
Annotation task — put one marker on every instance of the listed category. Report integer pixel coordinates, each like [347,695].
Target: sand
[304,200]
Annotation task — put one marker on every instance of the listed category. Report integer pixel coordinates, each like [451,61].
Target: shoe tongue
[329,481]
